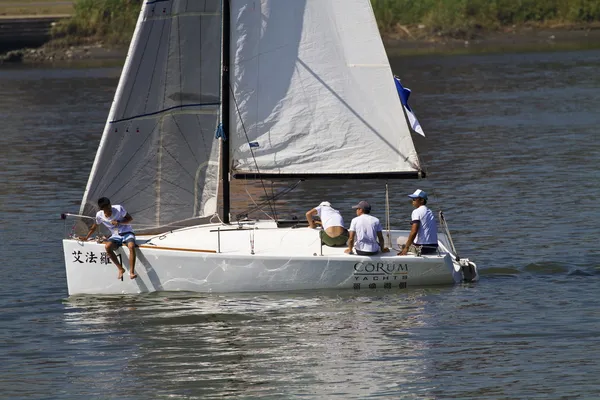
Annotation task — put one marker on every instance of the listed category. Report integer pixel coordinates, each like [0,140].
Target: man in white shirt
[333,233]
[423,231]
[117,220]
[366,230]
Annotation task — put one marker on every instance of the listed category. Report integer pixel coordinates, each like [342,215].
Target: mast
[225,112]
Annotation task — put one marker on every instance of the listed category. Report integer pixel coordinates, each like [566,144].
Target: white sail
[313,92]
[158,156]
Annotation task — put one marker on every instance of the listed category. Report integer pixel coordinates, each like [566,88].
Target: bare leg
[110,246]
[132,274]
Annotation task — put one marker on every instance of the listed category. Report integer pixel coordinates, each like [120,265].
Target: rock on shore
[47,54]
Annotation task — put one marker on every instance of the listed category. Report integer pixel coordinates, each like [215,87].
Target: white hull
[217,258]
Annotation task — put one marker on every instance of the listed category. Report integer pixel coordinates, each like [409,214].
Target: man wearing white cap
[423,231]
[333,233]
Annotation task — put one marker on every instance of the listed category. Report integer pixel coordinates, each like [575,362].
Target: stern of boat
[464,270]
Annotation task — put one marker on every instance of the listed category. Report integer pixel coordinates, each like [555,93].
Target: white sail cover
[313,91]
[158,155]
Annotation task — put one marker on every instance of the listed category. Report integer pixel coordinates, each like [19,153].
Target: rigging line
[138,192]
[217,216]
[387,214]
[139,211]
[180,187]
[177,162]
[114,192]
[248,141]
[259,206]
[273,194]
[185,138]
[238,216]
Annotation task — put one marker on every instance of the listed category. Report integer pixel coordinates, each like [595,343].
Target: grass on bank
[109,21]
[466,18]
[17,8]
[113,21]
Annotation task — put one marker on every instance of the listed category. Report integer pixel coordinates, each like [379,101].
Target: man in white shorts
[423,231]
[333,233]
[366,230]
[117,220]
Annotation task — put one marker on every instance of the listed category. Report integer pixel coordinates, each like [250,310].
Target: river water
[513,156]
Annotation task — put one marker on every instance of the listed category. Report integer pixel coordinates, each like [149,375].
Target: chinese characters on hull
[91,257]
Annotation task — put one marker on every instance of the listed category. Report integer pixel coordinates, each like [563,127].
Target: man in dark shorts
[333,234]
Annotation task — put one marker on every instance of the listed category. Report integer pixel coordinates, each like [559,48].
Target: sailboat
[217,90]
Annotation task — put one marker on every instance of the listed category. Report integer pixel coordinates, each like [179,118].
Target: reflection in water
[318,344]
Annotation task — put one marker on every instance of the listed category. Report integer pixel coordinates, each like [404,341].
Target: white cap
[418,193]
[325,204]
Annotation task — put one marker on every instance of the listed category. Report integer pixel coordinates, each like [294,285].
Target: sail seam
[158,53]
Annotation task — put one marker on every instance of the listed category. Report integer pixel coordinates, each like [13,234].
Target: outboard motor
[468,270]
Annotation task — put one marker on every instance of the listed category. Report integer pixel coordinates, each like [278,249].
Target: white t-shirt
[329,216]
[365,227]
[118,213]
[427,233]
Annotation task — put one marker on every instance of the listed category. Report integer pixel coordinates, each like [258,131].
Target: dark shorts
[428,248]
[327,240]
[124,237]
[365,253]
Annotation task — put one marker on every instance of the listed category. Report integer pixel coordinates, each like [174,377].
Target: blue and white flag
[404,93]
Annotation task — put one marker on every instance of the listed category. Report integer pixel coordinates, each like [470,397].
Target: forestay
[158,153]
[313,92]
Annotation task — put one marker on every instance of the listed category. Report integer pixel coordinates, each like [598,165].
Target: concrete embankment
[25,31]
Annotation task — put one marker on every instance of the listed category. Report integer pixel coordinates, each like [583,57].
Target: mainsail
[158,154]
[313,92]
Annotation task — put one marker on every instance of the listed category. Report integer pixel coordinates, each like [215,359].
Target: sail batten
[184,109]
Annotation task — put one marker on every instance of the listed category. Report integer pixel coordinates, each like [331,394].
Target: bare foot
[121,272]
[132,275]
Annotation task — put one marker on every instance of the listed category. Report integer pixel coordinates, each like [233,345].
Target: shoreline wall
[21,32]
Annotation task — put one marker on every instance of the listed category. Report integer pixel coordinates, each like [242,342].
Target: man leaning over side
[333,233]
